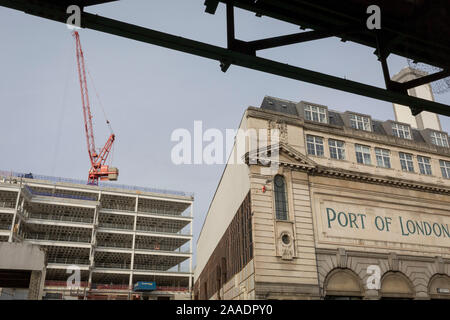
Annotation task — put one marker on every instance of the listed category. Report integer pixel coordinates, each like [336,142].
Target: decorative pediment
[281,154]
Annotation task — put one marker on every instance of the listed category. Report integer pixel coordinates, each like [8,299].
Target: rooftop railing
[58,195]
[18,175]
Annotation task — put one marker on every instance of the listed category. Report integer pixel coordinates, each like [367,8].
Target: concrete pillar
[190,248]
[34,289]
[130,284]
[15,213]
[93,242]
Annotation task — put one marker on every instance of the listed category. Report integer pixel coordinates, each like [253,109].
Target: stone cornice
[364,254]
[302,163]
[374,179]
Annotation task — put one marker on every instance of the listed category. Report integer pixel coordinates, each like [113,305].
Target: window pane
[401,131]
[445,168]
[362,154]
[439,139]
[315,113]
[337,150]
[383,158]
[406,162]
[280,198]
[359,122]
[424,165]
[314,145]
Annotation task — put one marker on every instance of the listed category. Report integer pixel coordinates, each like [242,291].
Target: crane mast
[99,169]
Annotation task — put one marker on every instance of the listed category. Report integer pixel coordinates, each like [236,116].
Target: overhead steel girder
[225,56]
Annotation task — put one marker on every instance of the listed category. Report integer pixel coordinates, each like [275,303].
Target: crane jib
[99,169]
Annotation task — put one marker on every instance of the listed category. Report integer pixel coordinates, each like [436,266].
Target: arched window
[343,284]
[395,285]
[280,198]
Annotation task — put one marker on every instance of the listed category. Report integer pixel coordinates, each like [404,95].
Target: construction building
[113,235]
[340,206]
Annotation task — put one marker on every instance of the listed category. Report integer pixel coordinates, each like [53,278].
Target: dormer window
[401,131]
[360,122]
[439,139]
[316,113]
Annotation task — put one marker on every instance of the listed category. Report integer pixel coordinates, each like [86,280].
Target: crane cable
[101,106]
[98,97]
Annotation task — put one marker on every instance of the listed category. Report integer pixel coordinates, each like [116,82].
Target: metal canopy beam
[425,79]
[225,56]
[287,39]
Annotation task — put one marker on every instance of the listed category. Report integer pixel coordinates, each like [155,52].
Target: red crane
[99,169]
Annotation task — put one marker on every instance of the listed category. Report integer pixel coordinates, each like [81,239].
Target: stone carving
[286,246]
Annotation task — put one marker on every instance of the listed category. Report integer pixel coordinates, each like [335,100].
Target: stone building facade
[355,209]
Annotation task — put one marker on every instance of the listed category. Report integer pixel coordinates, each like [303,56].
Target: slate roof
[334,117]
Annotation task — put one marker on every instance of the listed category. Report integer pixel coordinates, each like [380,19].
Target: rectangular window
[439,139]
[406,161]
[362,154]
[314,145]
[360,122]
[315,113]
[445,168]
[383,157]
[401,131]
[424,165]
[337,150]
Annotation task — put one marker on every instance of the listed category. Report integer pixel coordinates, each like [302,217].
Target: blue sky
[148,91]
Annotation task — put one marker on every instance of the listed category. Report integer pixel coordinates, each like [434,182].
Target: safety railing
[68,261]
[158,268]
[65,238]
[112,265]
[5,227]
[101,286]
[8,204]
[121,245]
[151,211]
[41,216]
[169,288]
[161,230]
[104,286]
[115,226]
[58,195]
[54,283]
[157,247]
